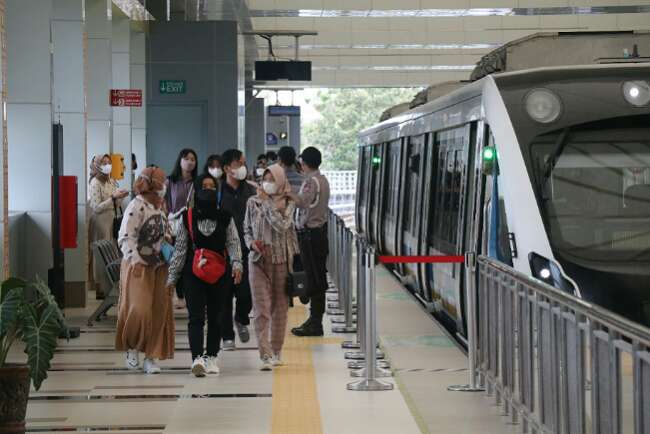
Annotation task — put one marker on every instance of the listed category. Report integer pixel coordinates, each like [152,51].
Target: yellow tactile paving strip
[296,409]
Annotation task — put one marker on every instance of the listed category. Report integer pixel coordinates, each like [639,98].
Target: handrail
[541,351]
[606,317]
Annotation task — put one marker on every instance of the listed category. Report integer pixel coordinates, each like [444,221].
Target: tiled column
[139,114]
[100,76]
[4,191]
[69,101]
[121,66]
[29,130]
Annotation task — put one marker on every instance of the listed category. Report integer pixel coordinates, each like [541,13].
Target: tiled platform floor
[89,390]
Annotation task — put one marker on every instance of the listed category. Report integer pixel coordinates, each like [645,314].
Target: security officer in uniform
[312,202]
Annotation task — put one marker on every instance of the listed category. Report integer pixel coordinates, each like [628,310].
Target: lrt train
[547,170]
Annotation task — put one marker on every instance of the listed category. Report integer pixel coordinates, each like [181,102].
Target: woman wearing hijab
[271,237]
[104,197]
[205,226]
[145,320]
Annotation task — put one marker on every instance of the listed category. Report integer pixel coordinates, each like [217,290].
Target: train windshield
[593,181]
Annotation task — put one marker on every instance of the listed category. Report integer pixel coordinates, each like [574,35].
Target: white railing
[343,191]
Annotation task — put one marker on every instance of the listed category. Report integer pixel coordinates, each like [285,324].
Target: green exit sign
[172,86]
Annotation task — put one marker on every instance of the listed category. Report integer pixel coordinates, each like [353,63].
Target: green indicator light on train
[489,154]
[376,160]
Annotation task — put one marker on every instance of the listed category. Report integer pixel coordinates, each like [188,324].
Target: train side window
[392,184]
[447,195]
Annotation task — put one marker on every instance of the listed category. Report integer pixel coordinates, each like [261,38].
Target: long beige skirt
[145,319]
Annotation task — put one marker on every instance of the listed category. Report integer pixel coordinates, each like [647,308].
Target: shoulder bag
[207,265]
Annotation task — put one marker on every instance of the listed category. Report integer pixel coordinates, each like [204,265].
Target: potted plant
[28,314]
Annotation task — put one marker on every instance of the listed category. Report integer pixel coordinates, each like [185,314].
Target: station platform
[89,389]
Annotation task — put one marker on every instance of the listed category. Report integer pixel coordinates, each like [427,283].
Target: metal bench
[108,253]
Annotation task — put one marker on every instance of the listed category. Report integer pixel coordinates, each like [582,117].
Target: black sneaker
[309,328]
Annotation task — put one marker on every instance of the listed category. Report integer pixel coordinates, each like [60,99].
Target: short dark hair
[211,159]
[230,155]
[287,155]
[271,155]
[312,157]
[261,157]
[177,173]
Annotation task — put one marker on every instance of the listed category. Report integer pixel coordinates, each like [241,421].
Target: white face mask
[240,173]
[162,192]
[216,172]
[270,188]
[259,171]
[106,169]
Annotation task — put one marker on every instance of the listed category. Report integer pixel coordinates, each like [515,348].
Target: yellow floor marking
[296,409]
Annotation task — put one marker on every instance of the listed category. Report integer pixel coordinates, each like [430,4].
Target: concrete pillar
[100,76]
[121,66]
[29,120]
[139,81]
[69,101]
[255,129]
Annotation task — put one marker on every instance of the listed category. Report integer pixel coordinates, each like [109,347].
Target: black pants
[205,301]
[179,288]
[243,307]
[314,249]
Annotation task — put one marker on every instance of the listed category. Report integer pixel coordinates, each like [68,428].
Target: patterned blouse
[101,195]
[275,228]
[206,227]
[143,230]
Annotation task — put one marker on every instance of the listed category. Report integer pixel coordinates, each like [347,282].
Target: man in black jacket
[235,192]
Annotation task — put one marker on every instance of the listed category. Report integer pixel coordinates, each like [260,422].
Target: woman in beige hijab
[104,199]
[145,319]
[270,235]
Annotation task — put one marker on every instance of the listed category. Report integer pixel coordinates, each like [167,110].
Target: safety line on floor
[296,409]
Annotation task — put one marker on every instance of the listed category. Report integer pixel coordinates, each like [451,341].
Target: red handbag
[207,265]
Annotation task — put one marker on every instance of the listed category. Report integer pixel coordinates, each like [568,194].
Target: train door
[446,225]
[390,200]
[376,187]
[363,184]
[412,209]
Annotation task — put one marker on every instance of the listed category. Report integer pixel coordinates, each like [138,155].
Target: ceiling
[407,42]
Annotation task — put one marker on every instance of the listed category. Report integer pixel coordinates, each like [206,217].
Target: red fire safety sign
[126,97]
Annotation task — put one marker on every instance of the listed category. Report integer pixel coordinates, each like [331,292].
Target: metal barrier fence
[557,363]
[344,244]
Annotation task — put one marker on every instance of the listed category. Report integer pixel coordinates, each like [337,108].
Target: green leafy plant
[29,313]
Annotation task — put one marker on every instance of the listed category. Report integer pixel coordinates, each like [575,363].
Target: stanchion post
[470,296]
[370,383]
[348,324]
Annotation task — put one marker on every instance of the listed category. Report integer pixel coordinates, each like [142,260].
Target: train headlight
[543,106]
[637,93]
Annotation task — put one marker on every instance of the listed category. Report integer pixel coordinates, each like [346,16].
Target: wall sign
[126,97]
[172,86]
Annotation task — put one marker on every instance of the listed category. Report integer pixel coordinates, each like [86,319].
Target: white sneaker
[198,367]
[229,345]
[267,365]
[276,360]
[150,367]
[211,365]
[132,360]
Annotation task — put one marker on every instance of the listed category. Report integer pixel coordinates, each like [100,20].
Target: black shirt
[234,201]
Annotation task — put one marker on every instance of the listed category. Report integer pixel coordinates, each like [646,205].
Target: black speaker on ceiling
[282,70]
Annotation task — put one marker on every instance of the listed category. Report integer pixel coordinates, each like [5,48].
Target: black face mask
[206,203]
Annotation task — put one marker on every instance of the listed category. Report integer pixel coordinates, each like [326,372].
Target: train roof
[474,89]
